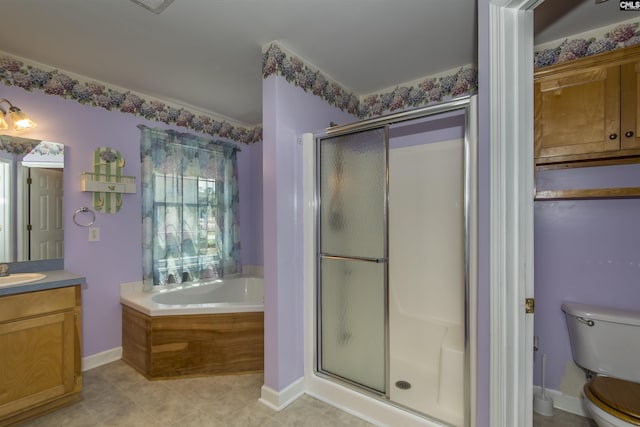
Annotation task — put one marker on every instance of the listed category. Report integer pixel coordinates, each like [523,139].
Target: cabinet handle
[613,136]
[629,134]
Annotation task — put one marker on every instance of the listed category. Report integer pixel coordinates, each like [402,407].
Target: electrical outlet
[94,234]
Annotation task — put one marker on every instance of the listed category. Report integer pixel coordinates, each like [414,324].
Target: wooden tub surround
[163,347]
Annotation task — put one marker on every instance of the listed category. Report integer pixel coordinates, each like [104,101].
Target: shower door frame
[381,260]
[312,373]
[384,260]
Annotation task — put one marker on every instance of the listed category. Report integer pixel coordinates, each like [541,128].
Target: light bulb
[20,119]
[3,123]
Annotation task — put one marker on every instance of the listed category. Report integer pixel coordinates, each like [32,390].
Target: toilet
[605,343]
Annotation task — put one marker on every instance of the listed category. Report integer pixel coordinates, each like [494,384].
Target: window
[190,208]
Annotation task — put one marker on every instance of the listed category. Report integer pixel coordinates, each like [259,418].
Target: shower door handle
[354,258]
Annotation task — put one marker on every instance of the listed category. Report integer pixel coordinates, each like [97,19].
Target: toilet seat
[617,397]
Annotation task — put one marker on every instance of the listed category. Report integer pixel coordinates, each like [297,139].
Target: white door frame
[6,229]
[23,216]
[511,186]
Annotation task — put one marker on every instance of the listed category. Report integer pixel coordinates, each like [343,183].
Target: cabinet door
[577,113]
[630,103]
[37,360]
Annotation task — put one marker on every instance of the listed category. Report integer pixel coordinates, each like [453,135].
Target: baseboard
[102,358]
[280,400]
[564,402]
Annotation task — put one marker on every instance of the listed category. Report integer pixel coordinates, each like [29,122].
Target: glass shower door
[352,258]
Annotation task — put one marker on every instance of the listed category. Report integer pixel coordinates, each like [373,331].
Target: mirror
[31,216]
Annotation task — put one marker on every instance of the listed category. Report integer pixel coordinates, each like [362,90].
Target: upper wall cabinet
[587,110]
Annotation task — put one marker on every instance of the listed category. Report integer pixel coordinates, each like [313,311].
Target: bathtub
[241,294]
[194,329]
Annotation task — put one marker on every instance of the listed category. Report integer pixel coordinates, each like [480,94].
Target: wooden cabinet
[40,352]
[588,109]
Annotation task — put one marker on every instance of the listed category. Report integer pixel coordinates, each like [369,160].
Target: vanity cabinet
[40,352]
[588,109]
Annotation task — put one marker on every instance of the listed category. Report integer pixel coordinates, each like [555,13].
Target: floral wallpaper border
[14,72]
[20,146]
[432,90]
[276,61]
[602,40]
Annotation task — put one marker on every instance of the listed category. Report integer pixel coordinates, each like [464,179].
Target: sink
[20,278]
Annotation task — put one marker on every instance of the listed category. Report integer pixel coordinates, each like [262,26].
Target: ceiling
[207,54]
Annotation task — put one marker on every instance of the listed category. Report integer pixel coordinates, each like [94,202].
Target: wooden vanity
[40,352]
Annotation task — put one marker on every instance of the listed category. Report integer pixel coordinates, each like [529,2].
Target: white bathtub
[242,294]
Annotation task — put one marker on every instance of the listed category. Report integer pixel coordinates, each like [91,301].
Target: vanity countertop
[54,279]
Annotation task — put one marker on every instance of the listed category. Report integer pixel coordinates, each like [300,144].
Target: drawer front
[13,307]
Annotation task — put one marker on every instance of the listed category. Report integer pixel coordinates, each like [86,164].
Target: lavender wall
[116,258]
[586,251]
[288,112]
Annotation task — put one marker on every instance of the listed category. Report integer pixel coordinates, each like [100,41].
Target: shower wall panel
[427,278]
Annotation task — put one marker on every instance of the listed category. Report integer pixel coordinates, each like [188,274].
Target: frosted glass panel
[352,191]
[352,321]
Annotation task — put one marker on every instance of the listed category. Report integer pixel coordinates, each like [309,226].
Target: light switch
[94,234]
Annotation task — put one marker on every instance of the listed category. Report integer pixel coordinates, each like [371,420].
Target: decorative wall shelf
[107,184]
[106,181]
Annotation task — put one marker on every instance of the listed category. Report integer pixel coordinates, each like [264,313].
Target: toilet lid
[622,397]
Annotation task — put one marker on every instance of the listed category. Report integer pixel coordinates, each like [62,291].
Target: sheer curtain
[189,207]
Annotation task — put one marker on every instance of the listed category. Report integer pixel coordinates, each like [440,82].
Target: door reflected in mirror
[31,208]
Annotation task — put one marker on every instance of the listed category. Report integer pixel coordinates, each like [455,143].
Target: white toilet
[606,343]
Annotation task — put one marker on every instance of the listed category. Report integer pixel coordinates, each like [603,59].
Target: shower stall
[391,270]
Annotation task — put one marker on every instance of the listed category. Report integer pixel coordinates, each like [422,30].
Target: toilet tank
[605,340]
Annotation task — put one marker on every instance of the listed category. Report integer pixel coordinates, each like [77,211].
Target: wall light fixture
[20,120]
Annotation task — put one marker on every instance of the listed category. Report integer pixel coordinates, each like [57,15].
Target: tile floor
[562,419]
[116,395]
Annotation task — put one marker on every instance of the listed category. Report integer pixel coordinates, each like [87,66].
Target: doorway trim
[511,207]
[6,230]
